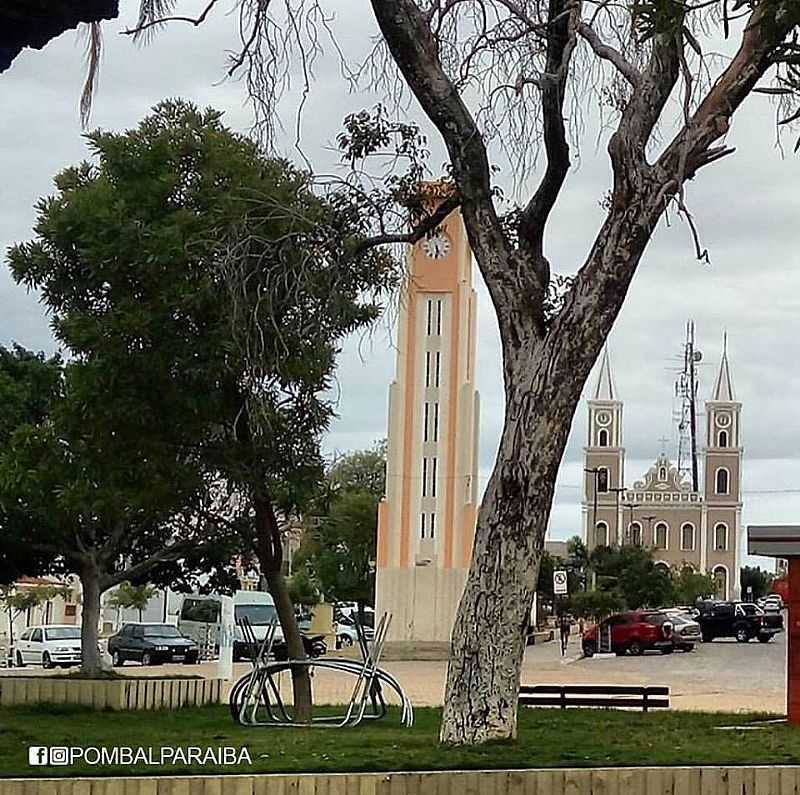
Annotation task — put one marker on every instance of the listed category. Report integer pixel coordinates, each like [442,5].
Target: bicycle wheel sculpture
[255,699]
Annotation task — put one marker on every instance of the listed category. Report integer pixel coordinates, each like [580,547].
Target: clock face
[436,246]
[603,418]
[723,420]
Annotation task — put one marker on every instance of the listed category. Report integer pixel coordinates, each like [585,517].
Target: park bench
[645,697]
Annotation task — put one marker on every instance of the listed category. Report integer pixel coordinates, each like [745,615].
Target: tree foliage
[756,578]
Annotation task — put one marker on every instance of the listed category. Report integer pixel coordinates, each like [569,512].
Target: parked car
[686,631]
[634,632]
[741,620]
[48,645]
[350,610]
[151,644]
[347,633]
[771,604]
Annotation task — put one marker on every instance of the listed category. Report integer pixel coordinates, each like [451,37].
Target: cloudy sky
[747,209]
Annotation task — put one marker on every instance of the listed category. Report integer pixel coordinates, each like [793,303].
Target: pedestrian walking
[564,630]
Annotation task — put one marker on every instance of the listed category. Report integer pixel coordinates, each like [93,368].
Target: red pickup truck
[634,632]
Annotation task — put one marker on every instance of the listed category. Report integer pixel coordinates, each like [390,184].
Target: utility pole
[686,389]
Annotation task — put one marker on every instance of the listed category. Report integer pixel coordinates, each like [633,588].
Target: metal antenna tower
[686,391]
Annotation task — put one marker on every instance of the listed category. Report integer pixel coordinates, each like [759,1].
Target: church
[684,527]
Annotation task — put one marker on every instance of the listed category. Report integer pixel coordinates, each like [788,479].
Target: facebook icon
[37,754]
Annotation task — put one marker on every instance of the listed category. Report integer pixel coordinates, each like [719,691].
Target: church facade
[700,529]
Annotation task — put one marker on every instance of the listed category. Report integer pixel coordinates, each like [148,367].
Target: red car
[633,632]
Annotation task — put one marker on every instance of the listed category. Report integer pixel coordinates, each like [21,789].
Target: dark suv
[741,620]
[635,632]
[151,644]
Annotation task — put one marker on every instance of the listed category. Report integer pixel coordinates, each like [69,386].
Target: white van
[199,618]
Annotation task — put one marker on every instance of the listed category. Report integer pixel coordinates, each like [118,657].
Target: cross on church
[664,442]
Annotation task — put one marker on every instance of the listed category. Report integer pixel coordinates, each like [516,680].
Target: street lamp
[631,506]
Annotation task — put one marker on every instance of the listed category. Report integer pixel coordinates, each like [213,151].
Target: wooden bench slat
[632,690]
[626,703]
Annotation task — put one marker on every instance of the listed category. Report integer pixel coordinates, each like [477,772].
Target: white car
[48,645]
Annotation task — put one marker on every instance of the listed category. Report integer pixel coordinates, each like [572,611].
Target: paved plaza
[722,676]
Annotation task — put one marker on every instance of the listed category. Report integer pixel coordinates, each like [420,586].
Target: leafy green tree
[206,287]
[595,604]
[689,585]
[303,588]
[630,572]
[17,600]
[756,578]
[361,470]
[132,597]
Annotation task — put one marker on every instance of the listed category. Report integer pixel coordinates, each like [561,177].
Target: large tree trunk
[90,619]
[270,558]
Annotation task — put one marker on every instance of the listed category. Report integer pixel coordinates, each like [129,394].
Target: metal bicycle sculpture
[255,699]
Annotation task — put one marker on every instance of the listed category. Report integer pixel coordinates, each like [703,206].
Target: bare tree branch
[608,53]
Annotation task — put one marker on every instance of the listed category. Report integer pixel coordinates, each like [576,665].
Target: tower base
[422,600]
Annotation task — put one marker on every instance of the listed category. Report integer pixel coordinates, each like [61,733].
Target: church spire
[723,387]
[605,389]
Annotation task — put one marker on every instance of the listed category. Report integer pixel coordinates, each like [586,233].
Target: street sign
[560,582]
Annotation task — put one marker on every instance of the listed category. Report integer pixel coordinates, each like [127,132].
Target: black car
[741,620]
[151,644]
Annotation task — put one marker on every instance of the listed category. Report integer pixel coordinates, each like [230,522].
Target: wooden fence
[111,693]
[778,780]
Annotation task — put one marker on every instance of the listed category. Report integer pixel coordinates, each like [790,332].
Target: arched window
[721,536]
[660,535]
[635,532]
[722,481]
[602,438]
[662,473]
[687,537]
[602,480]
[723,439]
[720,574]
[601,534]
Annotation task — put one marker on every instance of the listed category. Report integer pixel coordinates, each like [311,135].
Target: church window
[427,368]
[425,421]
[436,422]
[722,481]
[424,477]
[422,525]
[430,317]
[433,477]
[602,480]
[687,537]
[723,438]
[662,473]
[601,534]
[602,438]
[433,525]
[660,535]
[438,368]
[439,318]
[635,532]
[721,537]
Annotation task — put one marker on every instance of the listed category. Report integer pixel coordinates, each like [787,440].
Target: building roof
[605,389]
[723,387]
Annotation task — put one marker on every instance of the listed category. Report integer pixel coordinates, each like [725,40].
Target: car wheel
[635,648]
[117,660]
[707,638]
[589,649]
[742,635]
[345,641]
[20,661]
[146,658]
[688,647]
[46,661]
[764,638]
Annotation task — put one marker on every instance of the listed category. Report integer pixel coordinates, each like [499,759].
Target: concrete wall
[114,694]
[772,780]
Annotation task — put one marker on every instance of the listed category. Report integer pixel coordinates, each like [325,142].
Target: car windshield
[63,633]
[260,615]
[654,618]
[750,610]
[161,631]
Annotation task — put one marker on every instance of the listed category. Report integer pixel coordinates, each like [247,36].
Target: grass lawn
[547,738]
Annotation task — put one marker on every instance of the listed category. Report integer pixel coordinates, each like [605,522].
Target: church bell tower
[426,523]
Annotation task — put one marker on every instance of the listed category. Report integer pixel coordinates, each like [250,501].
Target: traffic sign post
[560,582]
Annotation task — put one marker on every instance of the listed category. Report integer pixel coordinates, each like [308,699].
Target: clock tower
[426,522]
